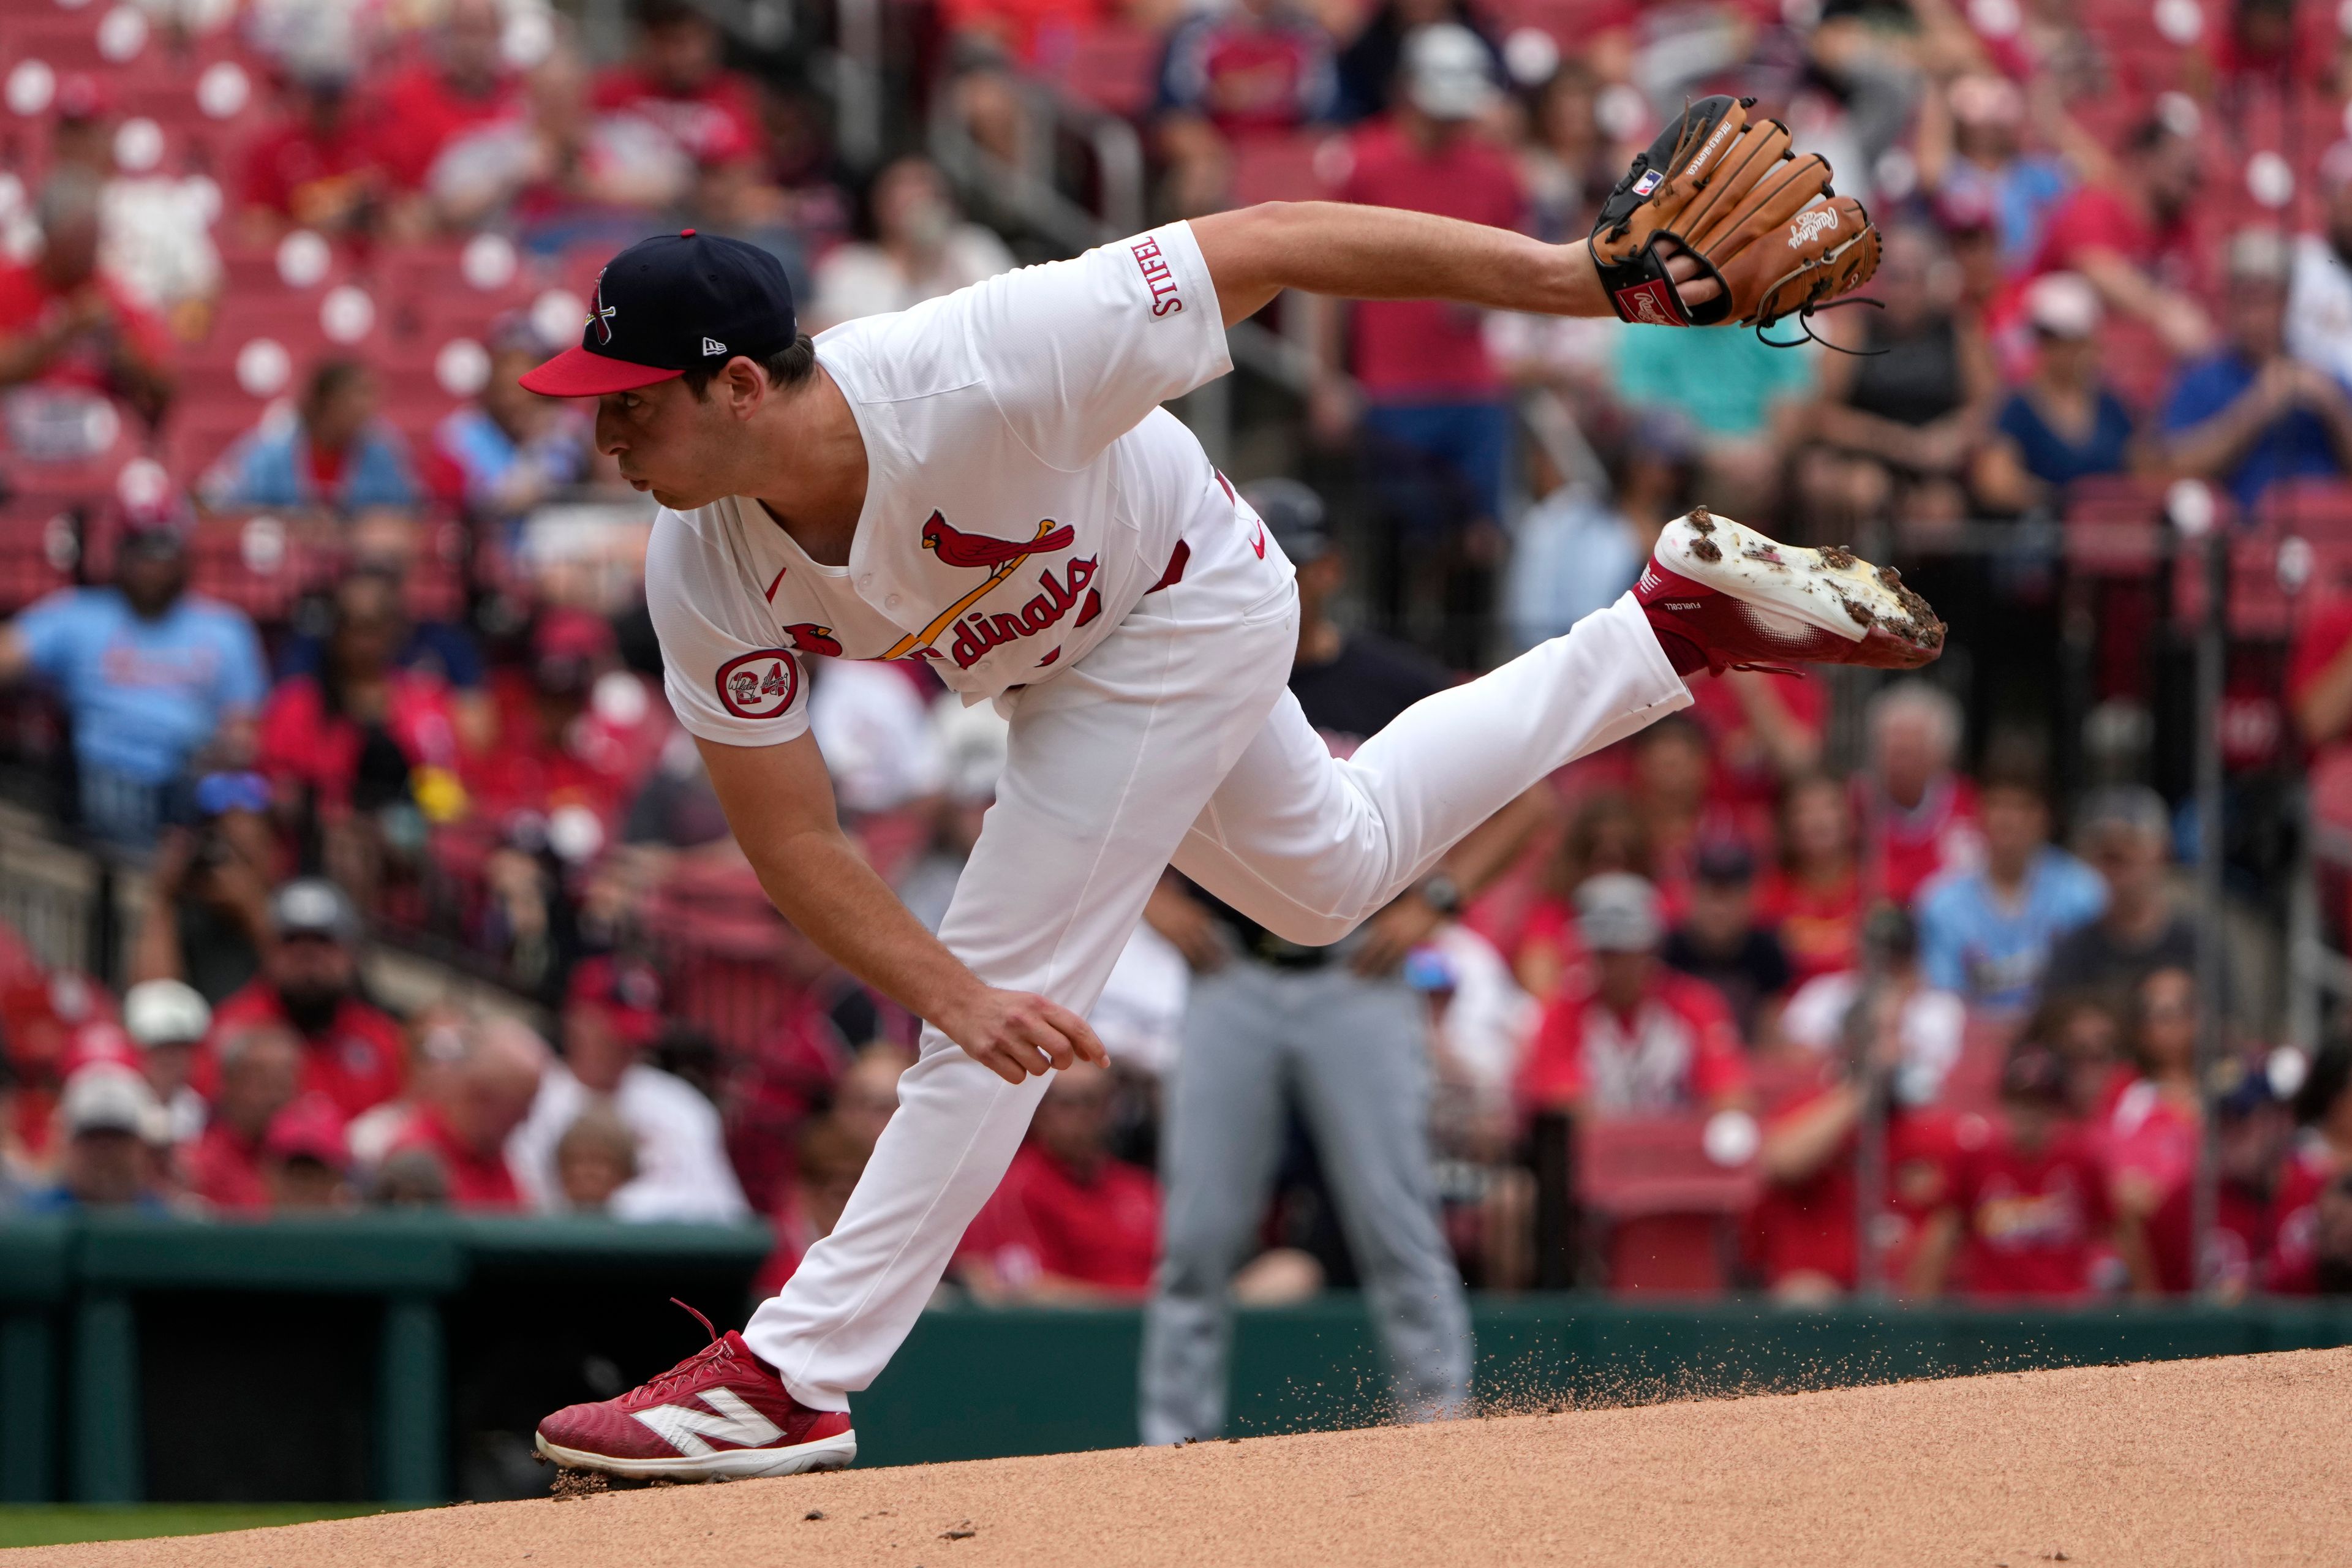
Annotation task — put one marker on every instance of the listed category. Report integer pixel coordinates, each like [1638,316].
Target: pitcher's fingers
[1039,1033]
[997,1060]
[1080,1034]
[1695,287]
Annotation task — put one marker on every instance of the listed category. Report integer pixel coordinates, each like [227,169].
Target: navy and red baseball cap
[670,304]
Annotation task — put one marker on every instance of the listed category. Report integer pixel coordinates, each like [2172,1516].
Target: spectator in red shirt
[352,1051]
[1606,834]
[1256,70]
[65,326]
[260,1067]
[319,165]
[556,747]
[676,78]
[1919,816]
[2156,1127]
[2253,1128]
[2132,236]
[1815,897]
[347,739]
[1434,418]
[306,1159]
[1763,731]
[1674,789]
[2027,1213]
[458,81]
[1069,1224]
[1802,1228]
[1629,1036]
[2318,1165]
[465,1128]
[828,1158]
[2319,697]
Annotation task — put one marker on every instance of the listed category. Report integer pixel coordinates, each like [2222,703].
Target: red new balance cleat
[1722,596]
[720,1414]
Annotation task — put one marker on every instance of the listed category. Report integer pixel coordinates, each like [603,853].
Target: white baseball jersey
[1024,489]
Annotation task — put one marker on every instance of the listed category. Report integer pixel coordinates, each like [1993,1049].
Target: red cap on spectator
[628,993]
[566,646]
[309,1129]
[82,97]
[97,1040]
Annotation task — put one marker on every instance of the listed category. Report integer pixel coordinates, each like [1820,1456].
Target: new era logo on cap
[671,304]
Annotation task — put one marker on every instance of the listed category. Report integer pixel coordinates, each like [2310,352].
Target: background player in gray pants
[1333,1030]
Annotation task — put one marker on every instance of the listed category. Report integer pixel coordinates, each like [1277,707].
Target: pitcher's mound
[2247,1460]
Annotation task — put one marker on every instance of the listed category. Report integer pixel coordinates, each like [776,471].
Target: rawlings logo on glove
[1714,187]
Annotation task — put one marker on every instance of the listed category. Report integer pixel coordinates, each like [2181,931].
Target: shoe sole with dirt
[1831,590]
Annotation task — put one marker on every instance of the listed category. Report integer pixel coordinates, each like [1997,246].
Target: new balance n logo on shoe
[685,1429]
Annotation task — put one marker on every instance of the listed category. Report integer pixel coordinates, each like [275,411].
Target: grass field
[55,1526]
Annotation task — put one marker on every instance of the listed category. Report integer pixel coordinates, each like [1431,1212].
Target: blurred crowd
[330,640]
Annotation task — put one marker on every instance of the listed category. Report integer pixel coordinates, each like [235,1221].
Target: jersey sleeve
[49,630]
[726,677]
[1077,352]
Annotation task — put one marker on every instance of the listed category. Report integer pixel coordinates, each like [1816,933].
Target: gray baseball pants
[1354,1051]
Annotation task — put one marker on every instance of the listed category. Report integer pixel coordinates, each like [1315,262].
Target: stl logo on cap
[760,684]
[602,320]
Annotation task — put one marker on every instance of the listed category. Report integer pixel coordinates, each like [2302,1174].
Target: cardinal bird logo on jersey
[759,685]
[811,639]
[954,547]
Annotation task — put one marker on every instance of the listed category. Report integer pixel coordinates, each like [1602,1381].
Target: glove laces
[1805,314]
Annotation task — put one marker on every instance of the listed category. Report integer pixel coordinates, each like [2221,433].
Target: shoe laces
[692,1366]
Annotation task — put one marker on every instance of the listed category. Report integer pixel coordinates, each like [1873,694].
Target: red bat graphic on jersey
[957,548]
[811,639]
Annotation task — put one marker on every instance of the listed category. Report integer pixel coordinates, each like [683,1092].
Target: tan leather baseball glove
[1757,218]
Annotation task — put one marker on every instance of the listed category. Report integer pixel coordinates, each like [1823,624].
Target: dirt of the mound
[2208,1463]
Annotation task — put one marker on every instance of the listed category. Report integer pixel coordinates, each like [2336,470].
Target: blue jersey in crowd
[143,695]
[2292,446]
[2056,458]
[1969,944]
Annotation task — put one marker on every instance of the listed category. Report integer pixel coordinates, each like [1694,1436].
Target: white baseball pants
[1176,740]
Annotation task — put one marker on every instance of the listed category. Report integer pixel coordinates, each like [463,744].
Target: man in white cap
[168,1020]
[111,1129]
[2066,422]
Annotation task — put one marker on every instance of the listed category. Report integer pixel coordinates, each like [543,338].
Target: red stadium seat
[1665,1202]
[2114,526]
[1114,67]
[1282,169]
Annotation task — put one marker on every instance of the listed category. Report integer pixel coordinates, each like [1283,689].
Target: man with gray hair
[65,326]
[2252,415]
[2125,832]
[476,1109]
[1918,817]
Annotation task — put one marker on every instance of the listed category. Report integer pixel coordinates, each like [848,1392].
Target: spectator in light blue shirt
[151,676]
[334,452]
[511,448]
[1987,933]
